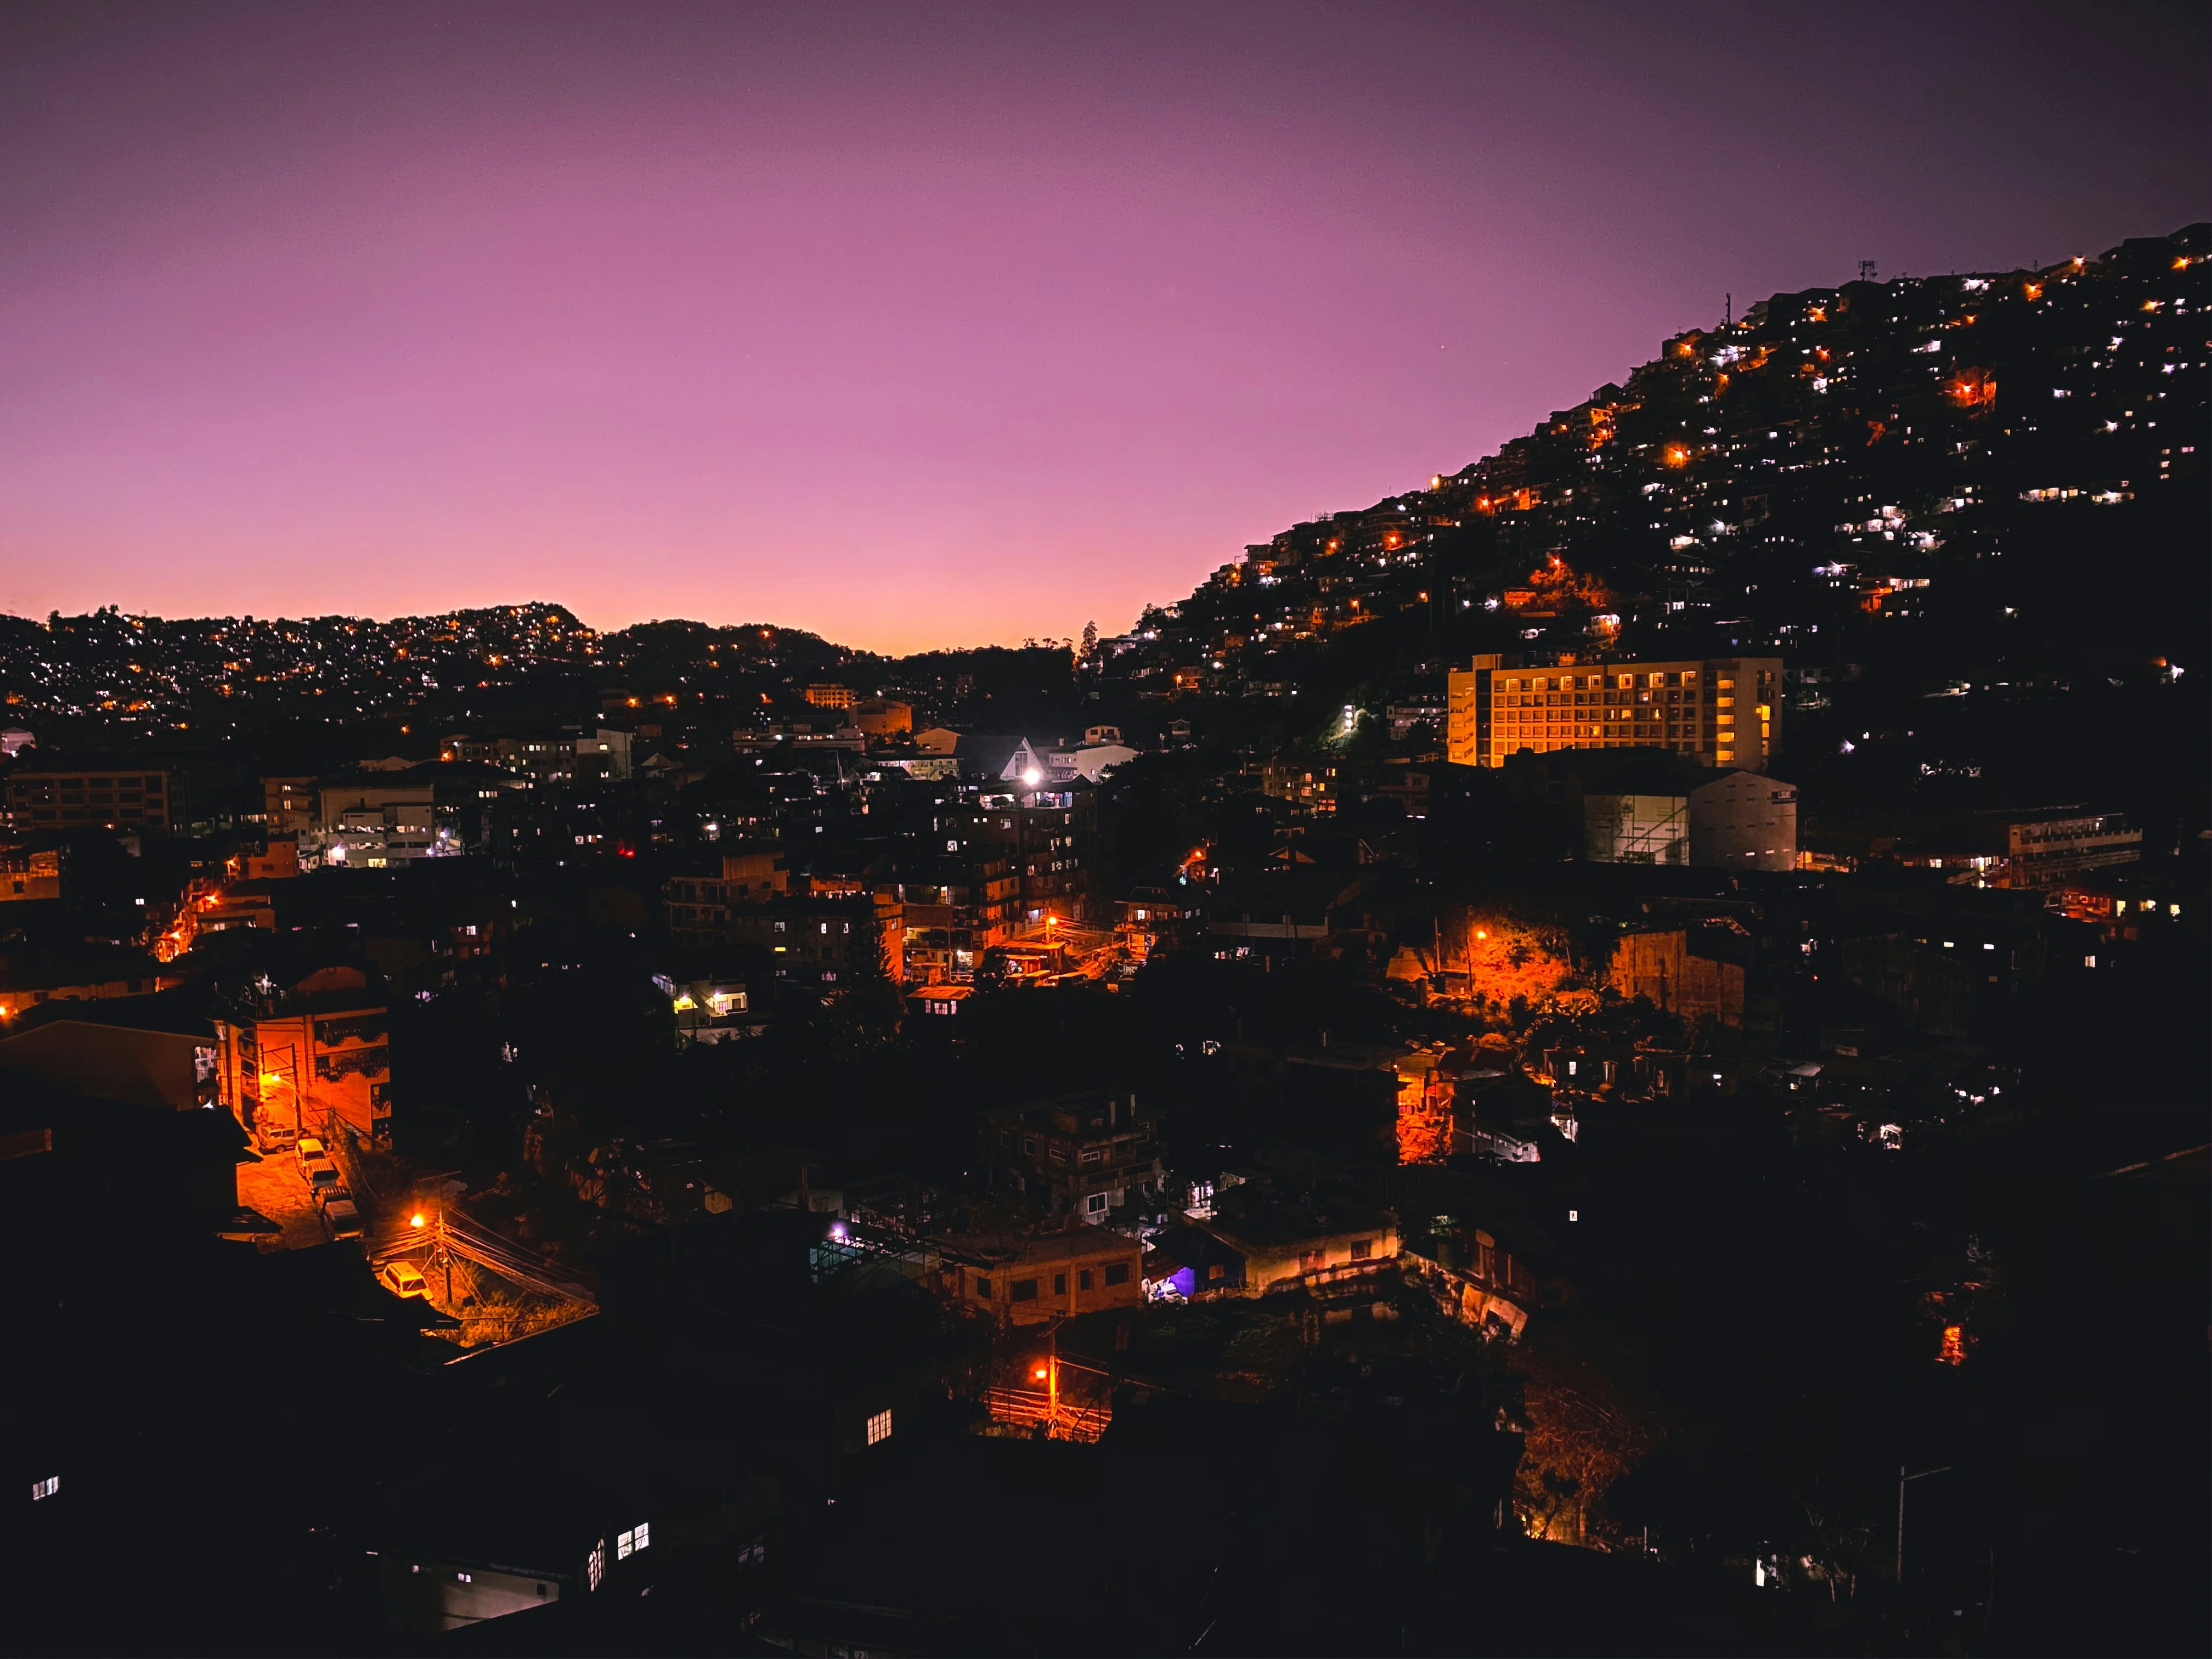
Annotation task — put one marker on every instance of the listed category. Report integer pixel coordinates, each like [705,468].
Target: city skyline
[319,314]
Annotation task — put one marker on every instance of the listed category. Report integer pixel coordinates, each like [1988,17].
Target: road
[275,1187]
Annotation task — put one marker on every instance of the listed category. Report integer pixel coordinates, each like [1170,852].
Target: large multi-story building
[1738,821]
[309,1058]
[1089,1154]
[371,822]
[2047,847]
[568,755]
[287,804]
[826,941]
[1058,834]
[111,795]
[1722,711]
[957,908]
[699,905]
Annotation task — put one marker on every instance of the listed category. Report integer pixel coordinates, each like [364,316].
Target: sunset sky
[922,325]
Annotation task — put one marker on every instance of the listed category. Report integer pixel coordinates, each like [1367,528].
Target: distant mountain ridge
[1994,475]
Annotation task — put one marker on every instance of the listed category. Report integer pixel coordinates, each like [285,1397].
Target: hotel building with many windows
[1723,711]
[113,795]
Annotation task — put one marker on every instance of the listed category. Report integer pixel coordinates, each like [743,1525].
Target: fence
[1025,1409]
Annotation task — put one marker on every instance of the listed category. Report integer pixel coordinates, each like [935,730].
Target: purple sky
[920,325]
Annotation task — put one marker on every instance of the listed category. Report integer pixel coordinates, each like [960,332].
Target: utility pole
[439,1255]
[1902,1477]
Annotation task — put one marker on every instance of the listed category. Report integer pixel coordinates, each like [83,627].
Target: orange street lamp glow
[1039,1373]
[414,1220]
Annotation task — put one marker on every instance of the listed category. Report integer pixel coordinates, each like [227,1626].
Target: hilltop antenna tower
[1728,311]
[1865,272]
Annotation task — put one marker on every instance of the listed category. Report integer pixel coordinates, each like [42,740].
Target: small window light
[46,1488]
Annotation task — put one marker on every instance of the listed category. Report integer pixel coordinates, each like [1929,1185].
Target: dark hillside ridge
[1997,474]
[1986,488]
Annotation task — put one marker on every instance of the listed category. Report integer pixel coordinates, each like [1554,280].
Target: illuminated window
[595,1564]
[1362,1249]
[464,1578]
[879,1427]
[46,1488]
[628,1544]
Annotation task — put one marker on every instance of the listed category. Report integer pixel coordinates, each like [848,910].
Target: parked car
[322,1173]
[308,1148]
[326,1195]
[272,1136]
[341,1220]
[403,1279]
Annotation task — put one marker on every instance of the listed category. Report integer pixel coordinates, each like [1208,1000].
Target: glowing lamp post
[1049,1374]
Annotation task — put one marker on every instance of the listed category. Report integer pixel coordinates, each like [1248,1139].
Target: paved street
[275,1187]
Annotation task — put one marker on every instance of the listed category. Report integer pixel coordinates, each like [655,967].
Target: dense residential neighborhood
[1510,1071]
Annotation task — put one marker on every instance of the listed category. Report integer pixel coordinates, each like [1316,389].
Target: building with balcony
[311,1058]
[2044,848]
[1090,1154]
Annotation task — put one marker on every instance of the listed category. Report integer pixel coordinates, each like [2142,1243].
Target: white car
[403,1279]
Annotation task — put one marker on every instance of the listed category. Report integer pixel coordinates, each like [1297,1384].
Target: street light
[1902,1477]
